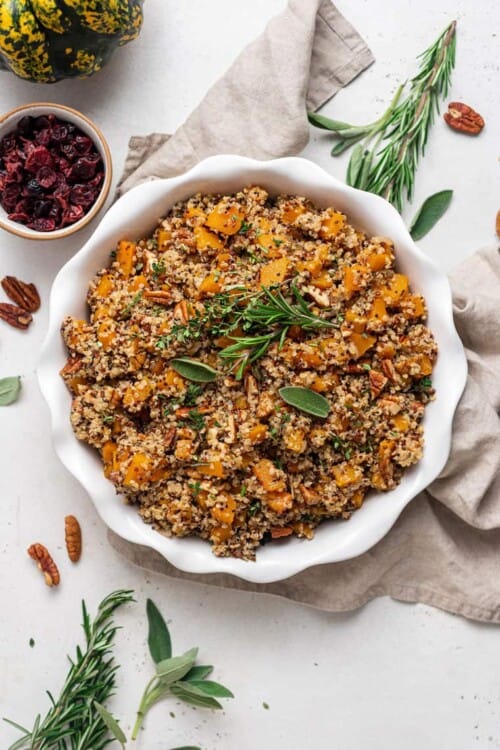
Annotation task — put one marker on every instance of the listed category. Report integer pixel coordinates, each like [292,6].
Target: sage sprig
[178,676]
[305,400]
[193,369]
[10,388]
[429,213]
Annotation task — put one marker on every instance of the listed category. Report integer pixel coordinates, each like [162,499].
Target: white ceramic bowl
[134,216]
[8,122]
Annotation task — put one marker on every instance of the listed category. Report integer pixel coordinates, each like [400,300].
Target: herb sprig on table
[177,676]
[75,719]
[253,321]
[386,160]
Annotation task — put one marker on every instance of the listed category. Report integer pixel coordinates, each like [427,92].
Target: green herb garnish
[125,313]
[193,369]
[10,388]
[429,213]
[177,676]
[305,400]
[386,161]
[195,420]
[245,227]
[74,720]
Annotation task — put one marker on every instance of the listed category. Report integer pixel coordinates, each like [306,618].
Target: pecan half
[23,294]
[73,537]
[279,531]
[158,297]
[181,311]
[15,316]
[463,118]
[45,563]
[498,224]
[377,382]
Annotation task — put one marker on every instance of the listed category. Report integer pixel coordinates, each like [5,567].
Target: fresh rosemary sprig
[74,722]
[264,316]
[175,675]
[386,162]
[268,318]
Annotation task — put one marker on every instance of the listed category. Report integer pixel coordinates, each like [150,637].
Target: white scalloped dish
[135,215]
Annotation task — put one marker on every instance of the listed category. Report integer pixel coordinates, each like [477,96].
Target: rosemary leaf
[74,721]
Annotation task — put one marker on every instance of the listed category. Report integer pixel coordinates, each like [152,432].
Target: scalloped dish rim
[136,213]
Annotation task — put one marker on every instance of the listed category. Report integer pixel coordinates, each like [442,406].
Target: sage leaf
[193,369]
[193,695]
[198,672]
[173,669]
[159,642]
[355,165]
[325,123]
[305,400]
[429,213]
[111,724]
[215,689]
[10,388]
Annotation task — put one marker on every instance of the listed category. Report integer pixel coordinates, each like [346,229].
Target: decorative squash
[46,40]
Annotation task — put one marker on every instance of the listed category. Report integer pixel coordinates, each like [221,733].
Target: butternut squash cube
[279,501]
[362,342]
[346,474]
[106,333]
[226,219]
[163,236]
[125,257]
[257,433]
[378,310]
[105,286]
[274,272]
[269,476]
[207,240]
[210,285]
[138,470]
[331,225]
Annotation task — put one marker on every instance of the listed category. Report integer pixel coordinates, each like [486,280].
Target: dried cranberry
[42,122]
[8,143]
[59,133]
[69,151]
[39,157]
[33,187]
[42,138]
[42,225]
[83,169]
[42,208]
[71,215]
[10,196]
[20,217]
[83,195]
[83,144]
[25,205]
[46,177]
[25,126]
[15,171]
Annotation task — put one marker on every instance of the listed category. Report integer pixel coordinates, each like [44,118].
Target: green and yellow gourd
[46,40]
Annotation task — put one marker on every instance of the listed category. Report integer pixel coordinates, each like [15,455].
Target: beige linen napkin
[445,548]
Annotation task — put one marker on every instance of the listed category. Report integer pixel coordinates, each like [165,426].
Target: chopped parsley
[159,269]
[254,508]
[245,227]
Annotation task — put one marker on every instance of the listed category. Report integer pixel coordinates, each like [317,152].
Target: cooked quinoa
[229,460]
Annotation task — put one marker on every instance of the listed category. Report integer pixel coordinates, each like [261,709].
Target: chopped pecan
[251,389]
[463,118]
[15,316]
[498,224]
[321,298]
[279,531]
[73,537]
[181,311]
[45,563]
[389,370]
[71,366]
[23,294]
[158,297]
[377,382]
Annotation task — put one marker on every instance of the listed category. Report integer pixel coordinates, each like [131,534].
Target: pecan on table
[497,226]
[15,316]
[40,554]
[25,295]
[463,118]
[73,538]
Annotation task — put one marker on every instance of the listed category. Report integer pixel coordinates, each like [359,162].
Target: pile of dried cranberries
[50,173]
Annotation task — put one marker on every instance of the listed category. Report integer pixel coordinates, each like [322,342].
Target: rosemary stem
[448,39]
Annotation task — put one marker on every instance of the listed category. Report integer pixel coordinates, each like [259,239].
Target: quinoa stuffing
[193,333]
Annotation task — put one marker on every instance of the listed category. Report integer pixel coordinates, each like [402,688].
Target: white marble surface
[390,675]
